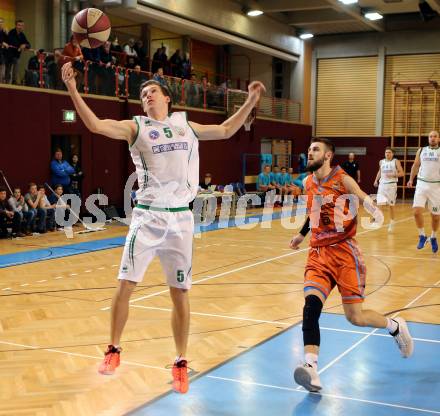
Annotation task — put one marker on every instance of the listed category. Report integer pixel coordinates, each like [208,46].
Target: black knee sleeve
[311,313]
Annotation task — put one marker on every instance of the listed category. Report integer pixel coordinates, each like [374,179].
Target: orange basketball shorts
[339,264]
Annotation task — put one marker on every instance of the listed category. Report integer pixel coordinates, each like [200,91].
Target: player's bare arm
[414,169]
[114,129]
[376,181]
[354,189]
[230,126]
[399,169]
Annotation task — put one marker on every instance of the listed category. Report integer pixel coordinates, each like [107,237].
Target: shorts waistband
[150,208]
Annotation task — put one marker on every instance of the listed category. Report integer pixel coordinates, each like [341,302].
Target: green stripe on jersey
[150,208]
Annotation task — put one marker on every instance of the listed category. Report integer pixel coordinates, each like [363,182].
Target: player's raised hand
[296,241]
[256,88]
[68,75]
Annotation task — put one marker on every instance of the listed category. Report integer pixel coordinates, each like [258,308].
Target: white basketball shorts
[169,235]
[387,194]
[427,192]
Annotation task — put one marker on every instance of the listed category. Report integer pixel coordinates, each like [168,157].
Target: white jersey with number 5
[166,156]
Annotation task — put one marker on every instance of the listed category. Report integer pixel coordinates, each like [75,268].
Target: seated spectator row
[34,212]
[283,181]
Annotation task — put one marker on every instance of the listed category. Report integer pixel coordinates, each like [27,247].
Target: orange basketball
[91,28]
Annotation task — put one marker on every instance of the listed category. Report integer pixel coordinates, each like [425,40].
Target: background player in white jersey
[390,170]
[164,149]
[427,168]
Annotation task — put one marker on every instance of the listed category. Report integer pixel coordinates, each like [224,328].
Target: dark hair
[57,150]
[328,144]
[31,184]
[17,188]
[58,185]
[2,189]
[18,21]
[275,166]
[283,167]
[41,187]
[163,88]
[389,148]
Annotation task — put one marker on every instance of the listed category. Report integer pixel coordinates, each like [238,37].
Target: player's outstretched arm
[230,126]
[120,130]
[414,169]
[368,203]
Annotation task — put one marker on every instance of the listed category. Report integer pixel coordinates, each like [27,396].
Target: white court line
[41,281]
[73,274]
[332,396]
[59,277]
[343,354]
[236,318]
[217,275]
[403,257]
[24,284]
[240,318]
[34,347]
[6,288]
[244,267]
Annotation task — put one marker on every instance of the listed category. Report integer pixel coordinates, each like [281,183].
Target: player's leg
[317,287]
[138,254]
[434,206]
[176,258]
[180,319]
[420,199]
[397,327]
[392,196]
[435,221]
[119,310]
[351,284]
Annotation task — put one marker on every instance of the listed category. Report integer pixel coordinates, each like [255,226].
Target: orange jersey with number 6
[332,211]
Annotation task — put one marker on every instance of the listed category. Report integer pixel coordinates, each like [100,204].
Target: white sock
[433,234]
[179,358]
[392,325]
[421,231]
[392,221]
[312,359]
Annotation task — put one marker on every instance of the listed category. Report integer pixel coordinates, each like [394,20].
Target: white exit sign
[69,116]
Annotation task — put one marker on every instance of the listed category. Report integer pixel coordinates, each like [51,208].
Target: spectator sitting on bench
[27,217]
[54,200]
[48,207]
[264,180]
[8,215]
[206,184]
[33,198]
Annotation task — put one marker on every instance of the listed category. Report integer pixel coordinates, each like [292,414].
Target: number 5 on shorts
[180,276]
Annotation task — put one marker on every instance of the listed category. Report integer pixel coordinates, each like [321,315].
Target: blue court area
[361,375]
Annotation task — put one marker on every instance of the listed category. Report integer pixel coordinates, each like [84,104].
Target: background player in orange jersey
[335,258]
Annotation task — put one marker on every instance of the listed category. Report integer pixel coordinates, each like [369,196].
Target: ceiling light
[306,36]
[254,12]
[348,1]
[373,16]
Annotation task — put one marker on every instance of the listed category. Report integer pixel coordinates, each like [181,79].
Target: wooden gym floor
[54,318]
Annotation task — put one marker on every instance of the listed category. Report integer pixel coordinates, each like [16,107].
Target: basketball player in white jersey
[427,168]
[390,170]
[164,149]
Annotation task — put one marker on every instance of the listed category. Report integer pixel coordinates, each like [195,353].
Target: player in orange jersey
[335,258]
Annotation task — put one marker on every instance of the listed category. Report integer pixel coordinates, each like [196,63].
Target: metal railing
[119,81]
